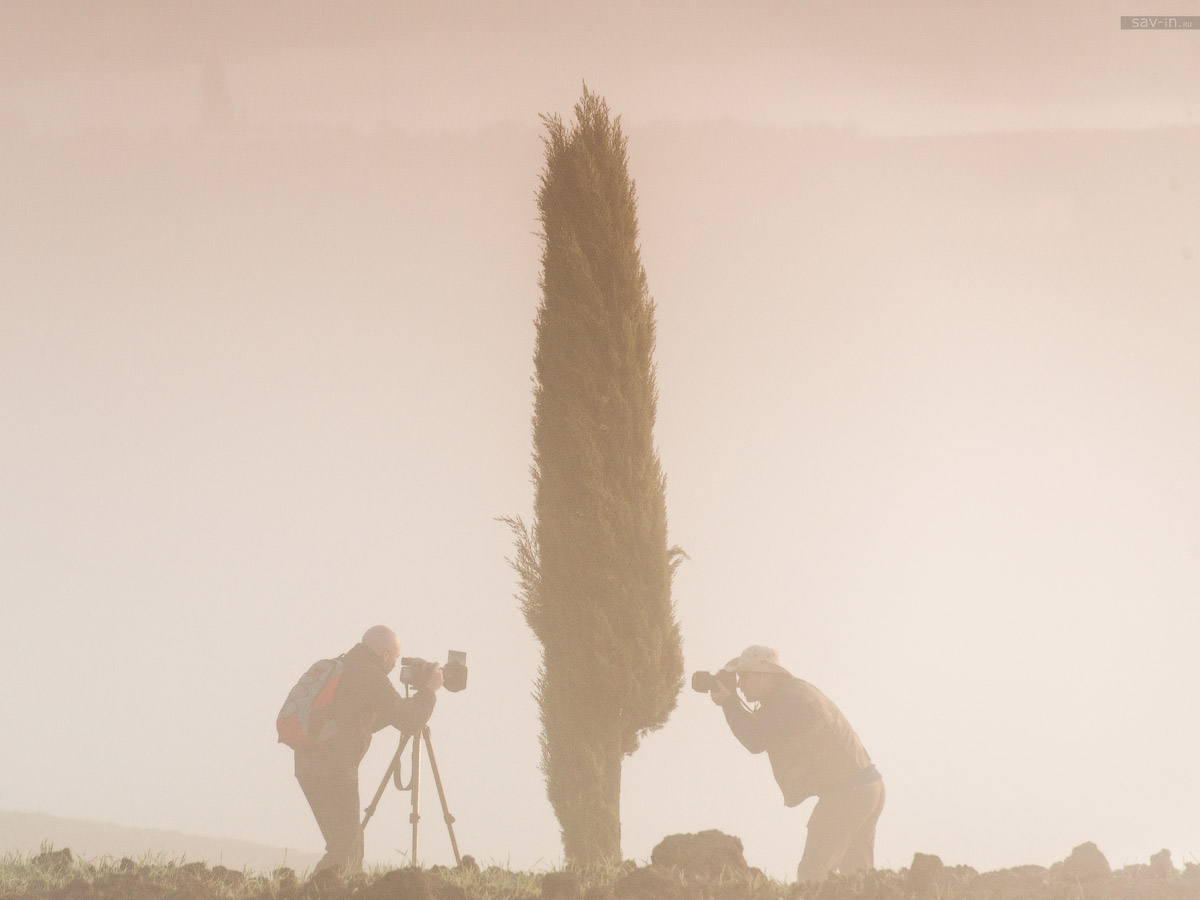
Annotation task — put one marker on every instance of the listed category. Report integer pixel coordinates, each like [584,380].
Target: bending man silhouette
[813,751]
[364,702]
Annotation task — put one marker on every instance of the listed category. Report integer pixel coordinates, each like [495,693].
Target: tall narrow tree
[595,569]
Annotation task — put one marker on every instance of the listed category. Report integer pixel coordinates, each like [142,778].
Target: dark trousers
[332,792]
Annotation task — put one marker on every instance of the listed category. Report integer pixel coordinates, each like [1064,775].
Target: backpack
[305,722]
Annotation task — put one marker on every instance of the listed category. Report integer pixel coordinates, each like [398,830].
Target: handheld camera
[704,682]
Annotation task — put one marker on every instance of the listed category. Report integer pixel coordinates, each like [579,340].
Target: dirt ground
[706,866]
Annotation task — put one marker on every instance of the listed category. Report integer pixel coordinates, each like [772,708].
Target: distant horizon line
[107,823]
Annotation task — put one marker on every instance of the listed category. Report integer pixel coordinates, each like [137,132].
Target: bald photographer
[363,701]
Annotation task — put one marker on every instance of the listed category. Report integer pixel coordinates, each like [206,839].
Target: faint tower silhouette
[216,103]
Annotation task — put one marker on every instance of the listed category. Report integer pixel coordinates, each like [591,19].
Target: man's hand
[720,694]
[435,679]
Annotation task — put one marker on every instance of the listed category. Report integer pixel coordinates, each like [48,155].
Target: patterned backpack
[304,723]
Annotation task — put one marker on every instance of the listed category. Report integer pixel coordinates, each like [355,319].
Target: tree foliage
[595,567]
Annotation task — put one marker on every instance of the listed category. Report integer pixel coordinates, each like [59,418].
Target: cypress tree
[595,568]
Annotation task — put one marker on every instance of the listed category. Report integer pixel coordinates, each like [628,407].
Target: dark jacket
[365,702]
[812,748]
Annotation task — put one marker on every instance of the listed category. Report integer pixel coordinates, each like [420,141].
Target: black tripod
[414,785]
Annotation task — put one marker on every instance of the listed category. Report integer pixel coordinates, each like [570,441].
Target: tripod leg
[415,784]
[394,767]
[437,779]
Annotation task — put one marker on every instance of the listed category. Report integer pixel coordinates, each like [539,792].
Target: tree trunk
[593,835]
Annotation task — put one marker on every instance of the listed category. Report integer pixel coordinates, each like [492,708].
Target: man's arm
[771,726]
[409,714]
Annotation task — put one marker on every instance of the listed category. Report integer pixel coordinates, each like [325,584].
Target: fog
[926,284]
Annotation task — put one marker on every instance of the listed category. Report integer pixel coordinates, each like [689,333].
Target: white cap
[756,658]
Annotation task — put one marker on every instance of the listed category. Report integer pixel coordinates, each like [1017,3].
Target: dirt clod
[54,859]
[398,884]
[649,883]
[190,892]
[561,886]
[706,853]
[1161,865]
[924,870]
[325,885]
[1086,863]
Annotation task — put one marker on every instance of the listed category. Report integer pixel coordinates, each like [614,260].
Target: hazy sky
[893,67]
[928,408]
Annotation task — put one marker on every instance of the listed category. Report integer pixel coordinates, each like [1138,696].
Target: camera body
[704,682]
[414,671]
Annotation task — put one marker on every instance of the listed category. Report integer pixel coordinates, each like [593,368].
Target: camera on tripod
[414,671]
[704,682]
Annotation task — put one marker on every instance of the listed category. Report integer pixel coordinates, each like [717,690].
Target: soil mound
[708,853]
[1086,863]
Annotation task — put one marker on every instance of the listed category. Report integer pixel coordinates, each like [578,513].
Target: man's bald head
[385,643]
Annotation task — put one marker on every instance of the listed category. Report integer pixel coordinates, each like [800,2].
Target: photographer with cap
[364,702]
[813,752]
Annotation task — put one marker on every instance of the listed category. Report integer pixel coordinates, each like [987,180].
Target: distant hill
[22,832]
